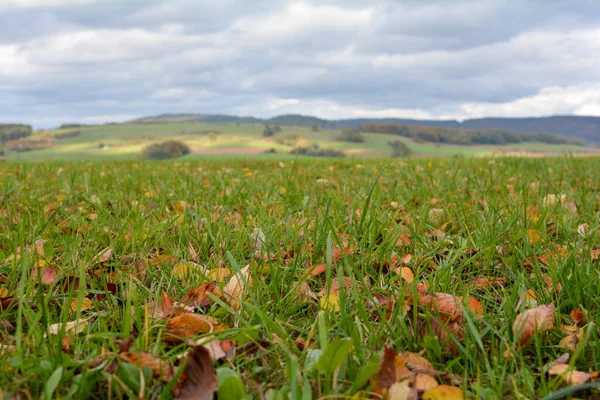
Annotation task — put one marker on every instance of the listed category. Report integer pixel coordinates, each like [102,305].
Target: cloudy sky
[113,60]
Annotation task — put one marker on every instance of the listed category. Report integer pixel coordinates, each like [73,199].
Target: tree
[267,132]
[165,150]
[350,135]
[400,149]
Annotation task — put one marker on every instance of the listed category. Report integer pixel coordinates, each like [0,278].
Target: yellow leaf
[533,236]
[330,302]
[444,392]
[86,304]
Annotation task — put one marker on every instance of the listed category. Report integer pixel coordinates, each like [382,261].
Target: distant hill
[584,128]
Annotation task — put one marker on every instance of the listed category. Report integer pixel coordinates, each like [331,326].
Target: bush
[165,150]
[350,135]
[400,149]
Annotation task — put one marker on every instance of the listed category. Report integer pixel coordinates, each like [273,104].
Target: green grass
[306,209]
[126,141]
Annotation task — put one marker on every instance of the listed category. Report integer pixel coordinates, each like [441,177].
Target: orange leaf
[570,376]
[577,316]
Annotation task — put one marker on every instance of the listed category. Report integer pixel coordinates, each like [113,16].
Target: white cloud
[10,5]
[298,21]
[577,100]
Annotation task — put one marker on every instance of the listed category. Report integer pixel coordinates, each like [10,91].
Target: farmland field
[299,278]
[126,142]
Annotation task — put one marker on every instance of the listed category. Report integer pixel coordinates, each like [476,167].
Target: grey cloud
[117,58]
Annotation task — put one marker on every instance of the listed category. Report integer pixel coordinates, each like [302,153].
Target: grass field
[126,141]
[474,274]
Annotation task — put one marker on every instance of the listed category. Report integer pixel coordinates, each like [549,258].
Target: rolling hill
[579,127]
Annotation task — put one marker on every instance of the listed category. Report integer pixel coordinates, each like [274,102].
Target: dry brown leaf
[39,247]
[488,281]
[574,336]
[403,241]
[188,324]
[444,303]
[392,370]
[444,392]
[102,256]
[70,328]
[595,254]
[569,375]
[47,274]
[415,362]
[199,296]
[199,379]
[159,368]
[537,320]
[235,288]
[318,269]
[402,391]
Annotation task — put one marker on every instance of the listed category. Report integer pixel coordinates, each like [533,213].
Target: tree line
[10,132]
[464,136]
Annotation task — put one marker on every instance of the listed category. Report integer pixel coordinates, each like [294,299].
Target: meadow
[126,142]
[285,278]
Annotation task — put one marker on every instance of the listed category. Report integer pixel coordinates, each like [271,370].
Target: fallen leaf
[199,379]
[188,325]
[444,392]
[236,286]
[392,370]
[488,281]
[199,296]
[560,367]
[574,336]
[533,236]
[576,315]
[159,368]
[71,328]
[318,269]
[424,382]
[406,274]
[184,269]
[47,274]
[102,256]
[537,320]
[86,304]
[403,241]
[444,303]
[39,247]
[402,391]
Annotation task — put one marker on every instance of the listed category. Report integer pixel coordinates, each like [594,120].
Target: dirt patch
[229,150]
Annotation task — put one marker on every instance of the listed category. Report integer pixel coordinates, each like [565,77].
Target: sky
[95,61]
